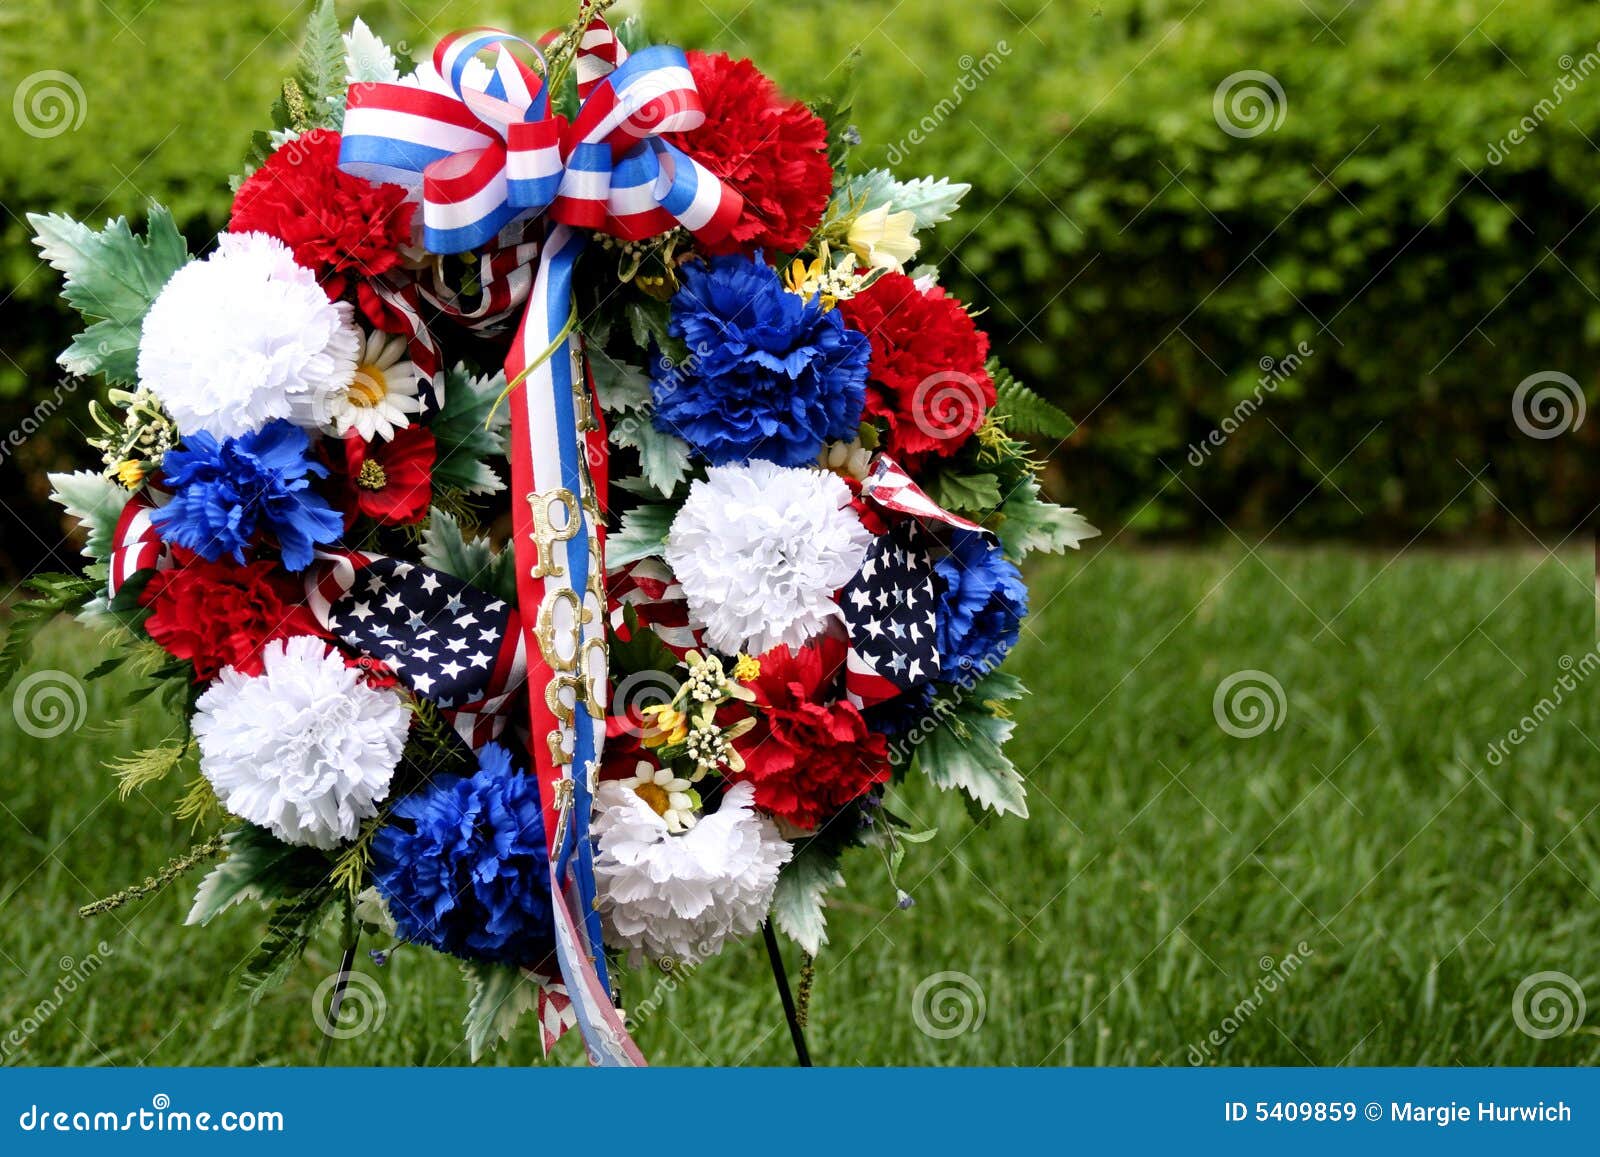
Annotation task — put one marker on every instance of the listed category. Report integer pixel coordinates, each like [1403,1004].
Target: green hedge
[1138,263]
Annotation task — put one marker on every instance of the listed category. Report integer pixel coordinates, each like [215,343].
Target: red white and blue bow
[485,146]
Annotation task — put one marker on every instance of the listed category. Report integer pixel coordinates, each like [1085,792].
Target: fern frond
[1021,411]
[199,803]
[149,766]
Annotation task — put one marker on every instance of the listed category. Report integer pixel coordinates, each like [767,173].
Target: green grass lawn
[1168,870]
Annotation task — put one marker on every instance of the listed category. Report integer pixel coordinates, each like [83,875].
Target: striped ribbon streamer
[487,155]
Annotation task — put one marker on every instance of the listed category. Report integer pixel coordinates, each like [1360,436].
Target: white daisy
[684,895]
[760,551]
[383,394]
[245,337]
[671,797]
[307,748]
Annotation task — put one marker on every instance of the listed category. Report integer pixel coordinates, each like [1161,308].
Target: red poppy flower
[810,753]
[390,482]
[773,151]
[220,614]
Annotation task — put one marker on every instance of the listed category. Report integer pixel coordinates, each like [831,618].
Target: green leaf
[622,387]
[801,897]
[294,923]
[472,560]
[663,457]
[642,650]
[259,867]
[367,59]
[625,392]
[96,502]
[898,854]
[321,66]
[972,493]
[501,993]
[56,594]
[111,279]
[647,323]
[643,534]
[835,107]
[1029,523]
[462,438]
[933,201]
[631,33]
[1021,411]
[863,193]
[964,750]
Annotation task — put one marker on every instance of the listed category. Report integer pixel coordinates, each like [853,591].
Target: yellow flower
[747,668]
[883,239]
[666,725]
[130,472]
[826,281]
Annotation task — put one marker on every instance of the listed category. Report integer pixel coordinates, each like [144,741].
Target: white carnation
[245,337]
[761,550]
[307,748]
[684,895]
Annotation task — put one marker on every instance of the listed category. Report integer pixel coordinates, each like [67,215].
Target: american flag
[446,640]
[657,600]
[889,611]
[890,488]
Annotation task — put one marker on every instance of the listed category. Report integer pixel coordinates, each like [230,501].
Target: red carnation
[337,225]
[927,376]
[219,614]
[390,482]
[772,151]
[808,756]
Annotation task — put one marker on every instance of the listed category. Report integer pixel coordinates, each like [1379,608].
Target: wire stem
[802,1055]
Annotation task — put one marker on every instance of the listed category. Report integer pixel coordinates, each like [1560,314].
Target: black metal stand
[346,966]
[801,1054]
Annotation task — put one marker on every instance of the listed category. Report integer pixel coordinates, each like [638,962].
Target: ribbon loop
[483,146]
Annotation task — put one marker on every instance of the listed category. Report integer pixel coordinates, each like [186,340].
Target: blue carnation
[907,711]
[980,610]
[225,492]
[463,865]
[769,375]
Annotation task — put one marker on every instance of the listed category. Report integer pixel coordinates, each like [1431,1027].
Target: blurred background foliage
[1137,263]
